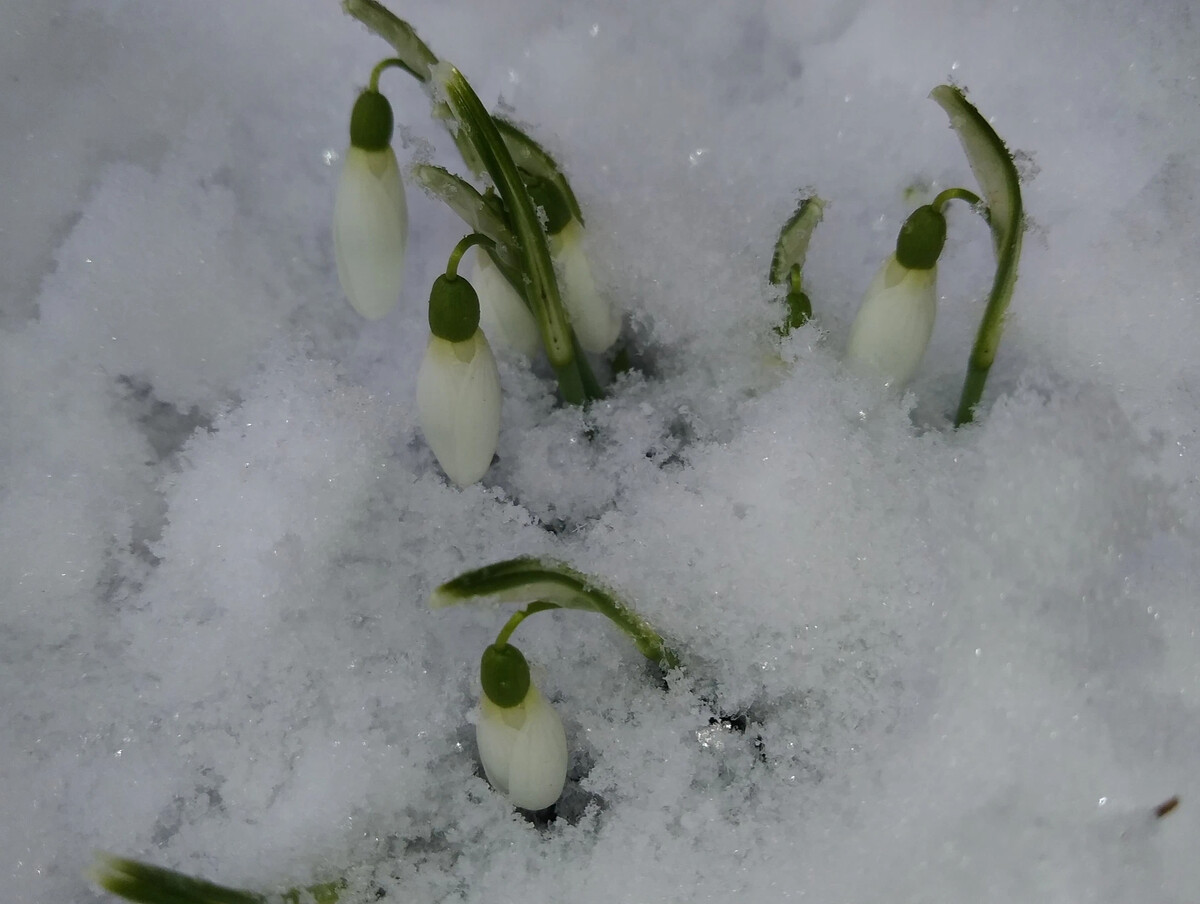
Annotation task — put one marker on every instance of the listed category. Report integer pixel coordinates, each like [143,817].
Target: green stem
[520,616]
[952,194]
[475,238]
[972,391]
[991,329]
[389,63]
[996,172]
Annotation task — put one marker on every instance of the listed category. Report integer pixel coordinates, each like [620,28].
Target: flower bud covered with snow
[458,384]
[893,326]
[521,740]
[370,214]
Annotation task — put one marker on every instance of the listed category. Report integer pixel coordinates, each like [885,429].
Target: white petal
[458,399]
[595,322]
[502,314]
[538,768]
[523,750]
[893,326]
[370,231]
[495,738]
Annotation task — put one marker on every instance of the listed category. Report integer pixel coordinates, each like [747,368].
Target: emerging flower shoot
[370,214]
[787,263]
[522,744]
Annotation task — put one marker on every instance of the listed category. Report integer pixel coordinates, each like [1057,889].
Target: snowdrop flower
[595,322]
[370,214]
[593,319]
[521,740]
[892,329]
[458,384]
[502,313]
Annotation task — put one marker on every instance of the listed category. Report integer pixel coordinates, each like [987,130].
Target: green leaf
[410,49]
[792,246]
[146,884]
[996,173]
[536,160]
[463,198]
[477,127]
[529,579]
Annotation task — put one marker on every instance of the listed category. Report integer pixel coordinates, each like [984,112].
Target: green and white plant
[532,289]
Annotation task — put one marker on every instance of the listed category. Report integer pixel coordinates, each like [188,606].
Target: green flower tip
[504,674]
[453,309]
[547,197]
[921,239]
[371,122]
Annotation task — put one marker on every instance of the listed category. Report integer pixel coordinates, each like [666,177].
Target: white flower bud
[893,326]
[458,400]
[502,313]
[370,230]
[523,749]
[593,319]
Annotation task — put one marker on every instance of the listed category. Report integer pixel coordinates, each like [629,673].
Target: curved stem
[389,63]
[510,626]
[996,172]
[953,194]
[475,238]
[520,616]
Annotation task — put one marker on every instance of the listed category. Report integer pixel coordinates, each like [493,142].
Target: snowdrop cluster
[531,290]
[530,228]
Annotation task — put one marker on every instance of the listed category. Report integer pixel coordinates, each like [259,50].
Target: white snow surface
[967,661]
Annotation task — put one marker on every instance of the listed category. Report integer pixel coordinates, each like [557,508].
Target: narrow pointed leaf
[792,246]
[465,200]
[146,884]
[478,127]
[410,49]
[529,579]
[996,173]
[533,158]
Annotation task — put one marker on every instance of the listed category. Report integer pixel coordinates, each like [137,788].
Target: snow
[967,662]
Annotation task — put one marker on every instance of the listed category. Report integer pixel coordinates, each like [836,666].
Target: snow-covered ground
[967,661]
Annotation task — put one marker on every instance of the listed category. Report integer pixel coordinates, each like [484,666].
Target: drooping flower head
[522,744]
[892,329]
[370,213]
[458,385]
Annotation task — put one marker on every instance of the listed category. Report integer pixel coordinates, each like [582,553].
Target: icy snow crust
[967,662]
